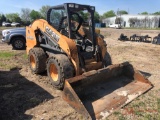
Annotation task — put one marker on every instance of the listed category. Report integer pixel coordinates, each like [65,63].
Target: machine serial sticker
[30,37]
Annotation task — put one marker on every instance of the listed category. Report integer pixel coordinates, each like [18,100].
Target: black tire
[37,60]
[18,43]
[107,60]
[59,68]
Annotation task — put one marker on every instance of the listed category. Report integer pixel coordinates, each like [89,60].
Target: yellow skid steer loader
[76,59]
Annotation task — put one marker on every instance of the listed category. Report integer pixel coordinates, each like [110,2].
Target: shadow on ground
[18,95]
[146,74]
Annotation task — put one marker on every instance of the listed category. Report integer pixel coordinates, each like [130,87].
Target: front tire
[59,68]
[18,43]
[37,60]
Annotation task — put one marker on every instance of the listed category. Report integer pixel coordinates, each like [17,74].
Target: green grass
[7,66]
[145,107]
[6,55]
[25,56]
[116,113]
[158,104]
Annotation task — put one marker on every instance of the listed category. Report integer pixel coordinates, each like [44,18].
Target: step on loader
[75,56]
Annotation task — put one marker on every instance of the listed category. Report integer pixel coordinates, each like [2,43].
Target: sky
[102,6]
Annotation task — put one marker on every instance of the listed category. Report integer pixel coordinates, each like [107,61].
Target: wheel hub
[32,61]
[18,44]
[53,72]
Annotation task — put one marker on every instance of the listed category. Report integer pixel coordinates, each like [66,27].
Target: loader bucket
[98,93]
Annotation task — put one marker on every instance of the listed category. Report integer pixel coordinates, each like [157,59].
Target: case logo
[52,34]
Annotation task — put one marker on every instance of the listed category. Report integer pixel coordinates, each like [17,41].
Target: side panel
[30,39]
[66,44]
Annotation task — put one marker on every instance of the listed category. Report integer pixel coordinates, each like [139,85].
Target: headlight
[6,33]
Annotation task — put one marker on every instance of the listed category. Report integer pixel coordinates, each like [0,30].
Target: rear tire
[18,43]
[59,68]
[37,60]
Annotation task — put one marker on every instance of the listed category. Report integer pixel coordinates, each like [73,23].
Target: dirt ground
[28,96]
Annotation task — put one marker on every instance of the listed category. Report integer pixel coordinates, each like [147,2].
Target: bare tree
[147,22]
[150,23]
[156,22]
[44,10]
[138,23]
[25,14]
[118,20]
[133,22]
[107,21]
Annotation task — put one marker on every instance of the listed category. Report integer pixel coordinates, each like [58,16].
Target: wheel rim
[32,61]
[53,72]
[18,44]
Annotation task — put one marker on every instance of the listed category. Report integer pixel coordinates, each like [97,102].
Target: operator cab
[76,22]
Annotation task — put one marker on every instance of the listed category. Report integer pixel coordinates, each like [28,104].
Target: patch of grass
[119,115]
[148,117]
[141,103]
[116,113]
[34,100]
[7,66]
[6,60]
[135,105]
[6,55]
[122,118]
[158,104]
[139,113]
[81,117]
[25,56]
[2,65]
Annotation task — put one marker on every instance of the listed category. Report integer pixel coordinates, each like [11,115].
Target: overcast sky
[131,6]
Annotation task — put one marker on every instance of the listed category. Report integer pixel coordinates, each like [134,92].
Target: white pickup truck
[114,26]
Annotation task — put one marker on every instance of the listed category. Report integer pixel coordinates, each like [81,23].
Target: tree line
[26,15]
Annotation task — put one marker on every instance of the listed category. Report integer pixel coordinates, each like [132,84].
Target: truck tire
[37,60]
[59,68]
[18,43]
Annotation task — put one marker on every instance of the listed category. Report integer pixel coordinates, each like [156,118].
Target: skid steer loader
[76,59]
